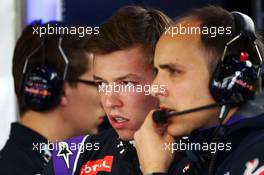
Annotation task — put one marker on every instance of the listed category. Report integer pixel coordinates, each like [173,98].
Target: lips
[118,122]
[120,119]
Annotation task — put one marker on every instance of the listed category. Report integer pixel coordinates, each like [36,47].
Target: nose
[160,89]
[111,100]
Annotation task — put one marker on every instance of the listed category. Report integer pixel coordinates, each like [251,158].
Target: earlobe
[65,94]
[64,100]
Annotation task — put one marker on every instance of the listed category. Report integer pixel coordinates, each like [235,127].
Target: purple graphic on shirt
[65,154]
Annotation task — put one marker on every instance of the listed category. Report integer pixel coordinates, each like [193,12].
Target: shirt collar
[30,140]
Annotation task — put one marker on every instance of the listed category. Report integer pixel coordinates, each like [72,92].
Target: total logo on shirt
[94,166]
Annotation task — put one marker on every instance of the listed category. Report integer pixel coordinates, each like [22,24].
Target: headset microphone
[161,116]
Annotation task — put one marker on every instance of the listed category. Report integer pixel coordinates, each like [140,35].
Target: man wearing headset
[51,107]
[199,69]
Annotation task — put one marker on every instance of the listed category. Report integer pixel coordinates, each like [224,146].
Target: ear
[65,94]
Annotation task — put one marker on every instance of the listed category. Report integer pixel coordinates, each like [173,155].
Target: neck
[49,124]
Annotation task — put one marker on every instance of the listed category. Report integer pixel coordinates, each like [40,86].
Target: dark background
[93,13]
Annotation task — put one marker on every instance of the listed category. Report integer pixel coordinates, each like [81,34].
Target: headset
[237,75]
[42,86]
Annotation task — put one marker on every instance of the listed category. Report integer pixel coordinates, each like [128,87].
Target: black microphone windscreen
[159,116]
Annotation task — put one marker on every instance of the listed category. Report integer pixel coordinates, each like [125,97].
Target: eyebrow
[170,66]
[95,77]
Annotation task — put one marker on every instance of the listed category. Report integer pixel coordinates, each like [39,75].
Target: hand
[150,142]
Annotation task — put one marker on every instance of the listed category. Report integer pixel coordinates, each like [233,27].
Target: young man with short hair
[51,107]
[208,79]
[123,69]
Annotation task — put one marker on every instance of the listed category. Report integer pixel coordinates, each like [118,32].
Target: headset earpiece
[236,76]
[42,86]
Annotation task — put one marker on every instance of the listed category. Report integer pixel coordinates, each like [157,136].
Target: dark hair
[72,45]
[215,16]
[130,26]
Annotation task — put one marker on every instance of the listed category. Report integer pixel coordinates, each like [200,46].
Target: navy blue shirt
[22,154]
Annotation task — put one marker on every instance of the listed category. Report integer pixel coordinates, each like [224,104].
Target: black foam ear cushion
[42,88]
[233,79]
